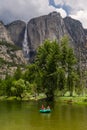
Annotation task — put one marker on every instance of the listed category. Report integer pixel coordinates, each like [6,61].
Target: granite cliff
[51,26]
[4,34]
[76,31]
[16,30]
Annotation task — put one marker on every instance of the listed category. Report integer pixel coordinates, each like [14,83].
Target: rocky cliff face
[4,34]
[53,26]
[85,31]
[10,55]
[45,27]
[16,30]
[76,31]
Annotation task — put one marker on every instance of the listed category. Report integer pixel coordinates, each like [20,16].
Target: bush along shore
[64,99]
[27,97]
[72,100]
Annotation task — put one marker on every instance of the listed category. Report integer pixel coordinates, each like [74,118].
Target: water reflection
[26,116]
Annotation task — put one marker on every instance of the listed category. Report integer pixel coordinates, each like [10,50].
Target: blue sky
[61,5]
[11,10]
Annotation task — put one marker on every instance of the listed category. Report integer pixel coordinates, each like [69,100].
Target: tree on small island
[56,67]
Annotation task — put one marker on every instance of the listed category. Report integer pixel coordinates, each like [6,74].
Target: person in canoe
[48,108]
[42,107]
[45,110]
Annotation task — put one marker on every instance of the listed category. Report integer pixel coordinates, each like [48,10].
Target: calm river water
[26,116]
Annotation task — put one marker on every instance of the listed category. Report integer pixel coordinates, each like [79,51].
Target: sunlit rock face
[11,55]
[4,34]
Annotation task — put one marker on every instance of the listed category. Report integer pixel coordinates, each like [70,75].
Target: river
[17,115]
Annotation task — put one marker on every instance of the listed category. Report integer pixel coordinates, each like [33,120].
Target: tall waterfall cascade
[25,45]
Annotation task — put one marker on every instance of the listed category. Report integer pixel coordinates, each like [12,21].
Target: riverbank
[73,100]
[25,98]
[68,100]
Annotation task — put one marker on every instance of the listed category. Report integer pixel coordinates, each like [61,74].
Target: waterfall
[25,45]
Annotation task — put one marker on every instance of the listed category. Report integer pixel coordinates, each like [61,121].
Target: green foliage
[18,73]
[29,74]
[61,79]
[64,52]
[18,88]
[12,47]
[7,85]
[55,64]
[2,87]
[47,61]
[68,61]
[54,69]
[2,62]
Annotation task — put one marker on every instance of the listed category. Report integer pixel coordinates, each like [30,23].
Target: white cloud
[81,16]
[62,12]
[11,10]
[78,9]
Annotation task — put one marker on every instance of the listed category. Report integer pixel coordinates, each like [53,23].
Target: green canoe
[45,110]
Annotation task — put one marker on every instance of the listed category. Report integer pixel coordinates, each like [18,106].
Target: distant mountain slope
[11,55]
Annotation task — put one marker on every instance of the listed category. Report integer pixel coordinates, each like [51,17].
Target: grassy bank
[73,100]
[25,98]
[65,99]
